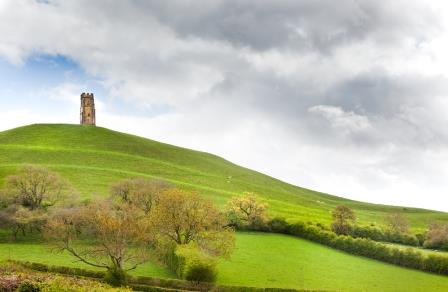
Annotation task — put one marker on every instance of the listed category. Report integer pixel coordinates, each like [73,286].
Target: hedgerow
[409,257]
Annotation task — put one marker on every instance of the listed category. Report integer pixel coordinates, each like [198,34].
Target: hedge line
[149,284]
[279,225]
[378,234]
[366,247]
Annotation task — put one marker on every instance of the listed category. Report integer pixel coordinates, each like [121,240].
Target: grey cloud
[296,24]
[338,105]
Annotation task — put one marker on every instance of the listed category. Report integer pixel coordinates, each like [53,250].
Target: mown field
[269,260]
[92,158]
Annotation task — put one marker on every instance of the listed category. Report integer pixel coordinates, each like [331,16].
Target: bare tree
[437,236]
[142,193]
[397,223]
[343,218]
[36,187]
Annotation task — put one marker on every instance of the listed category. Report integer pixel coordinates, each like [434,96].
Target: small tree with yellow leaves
[247,211]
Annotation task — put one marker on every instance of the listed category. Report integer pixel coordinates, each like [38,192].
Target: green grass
[92,158]
[270,260]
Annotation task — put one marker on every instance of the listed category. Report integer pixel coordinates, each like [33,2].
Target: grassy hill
[93,157]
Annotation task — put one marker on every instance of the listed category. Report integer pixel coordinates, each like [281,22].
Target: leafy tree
[119,236]
[142,193]
[247,210]
[182,218]
[397,223]
[343,219]
[36,187]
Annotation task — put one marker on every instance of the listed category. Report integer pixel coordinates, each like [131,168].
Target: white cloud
[351,103]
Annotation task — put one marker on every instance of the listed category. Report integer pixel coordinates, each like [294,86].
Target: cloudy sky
[348,97]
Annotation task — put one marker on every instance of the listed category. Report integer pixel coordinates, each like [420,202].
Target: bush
[421,238]
[28,286]
[115,277]
[193,265]
[278,225]
[201,272]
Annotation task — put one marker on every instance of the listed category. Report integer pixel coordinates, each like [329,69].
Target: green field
[269,260]
[92,158]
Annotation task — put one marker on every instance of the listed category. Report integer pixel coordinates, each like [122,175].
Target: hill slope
[93,157]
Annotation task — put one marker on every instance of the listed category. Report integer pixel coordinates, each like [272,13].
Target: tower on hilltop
[87,109]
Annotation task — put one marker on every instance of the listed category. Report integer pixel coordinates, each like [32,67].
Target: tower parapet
[87,112]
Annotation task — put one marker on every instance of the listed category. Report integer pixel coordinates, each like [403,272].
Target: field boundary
[149,283]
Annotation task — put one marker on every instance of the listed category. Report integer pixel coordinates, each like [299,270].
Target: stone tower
[87,109]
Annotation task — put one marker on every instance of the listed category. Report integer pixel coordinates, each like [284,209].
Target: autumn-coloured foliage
[182,218]
[119,235]
[247,210]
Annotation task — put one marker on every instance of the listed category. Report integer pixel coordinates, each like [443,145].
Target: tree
[247,210]
[183,218]
[36,187]
[437,236]
[142,193]
[119,236]
[22,220]
[397,223]
[343,218]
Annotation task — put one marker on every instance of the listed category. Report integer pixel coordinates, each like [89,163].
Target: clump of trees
[145,220]
[29,195]
[141,220]
[140,192]
[247,211]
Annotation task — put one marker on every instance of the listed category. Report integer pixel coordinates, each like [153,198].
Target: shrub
[201,272]
[28,286]
[421,238]
[193,265]
[278,225]
[115,277]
